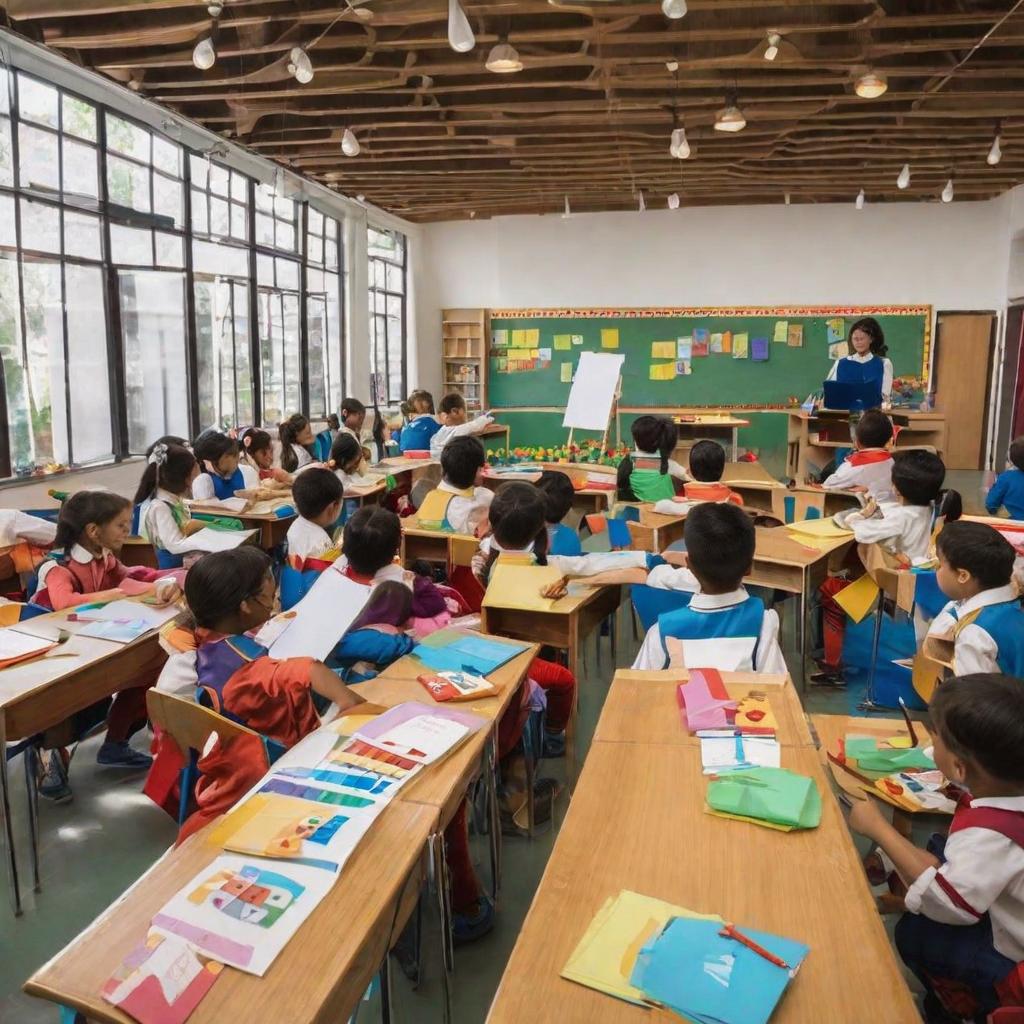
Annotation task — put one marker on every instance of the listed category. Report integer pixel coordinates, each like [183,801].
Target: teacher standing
[867,361]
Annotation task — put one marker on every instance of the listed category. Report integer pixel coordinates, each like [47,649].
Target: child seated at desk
[298,446]
[963,930]
[318,495]
[218,457]
[258,454]
[167,523]
[458,504]
[558,494]
[707,464]
[1008,490]
[868,469]
[638,479]
[723,626]
[421,424]
[453,416]
[347,461]
[984,618]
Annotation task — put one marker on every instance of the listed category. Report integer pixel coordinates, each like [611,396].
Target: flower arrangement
[584,453]
[909,389]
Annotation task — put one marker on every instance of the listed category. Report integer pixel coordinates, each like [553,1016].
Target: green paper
[885,760]
[860,746]
[769,794]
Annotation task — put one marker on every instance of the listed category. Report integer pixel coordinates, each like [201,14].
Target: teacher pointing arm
[868,357]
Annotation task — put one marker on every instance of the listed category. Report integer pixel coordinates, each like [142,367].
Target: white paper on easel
[593,391]
[321,618]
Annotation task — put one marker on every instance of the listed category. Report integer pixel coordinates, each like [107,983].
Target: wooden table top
[401,463]
[641,707]
[780,546]
[748,473]
[709,421]
[637,821]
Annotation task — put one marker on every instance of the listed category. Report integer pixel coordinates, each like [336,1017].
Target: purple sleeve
[427,600]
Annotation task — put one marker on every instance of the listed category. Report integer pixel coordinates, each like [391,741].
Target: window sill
[11,482]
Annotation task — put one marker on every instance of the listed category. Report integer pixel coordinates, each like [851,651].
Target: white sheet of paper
[218,540]
[423,739]
[593,390]
[132,611]
[224,504]
[17,645]
[718,753]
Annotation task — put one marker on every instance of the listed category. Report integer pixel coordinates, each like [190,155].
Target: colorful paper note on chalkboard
[533,337]
[577,339]
[700,343]
[663,350]
[795,336]
[838,350]
[727,342]
[684,348]
[563,342]
[683,368]
[499,339]
[836,330]
[544,355]
[741,346]
[781,332]
[663,371]
[759,350]
[566,373]
[716,344]
[519,339]
[609,337]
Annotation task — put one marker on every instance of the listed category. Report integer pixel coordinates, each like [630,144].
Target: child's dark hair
[390,604]
[656,434]
[169,467]
[981,550]
[212,446]
[169,439]
[83,508]
[333,423]
[452,401]
[314,489]
[518,518]
[461,459]
[219,582]
[344,450]
[918,476]
[874,429]
[558,493]
[980,718]
[371,540]
[255,440]
[720,542]
[350,406]
[873,329]
[1017,452]
[707,462]
[419,395]
[288,431]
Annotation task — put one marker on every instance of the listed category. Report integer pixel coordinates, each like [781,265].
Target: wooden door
[962,372]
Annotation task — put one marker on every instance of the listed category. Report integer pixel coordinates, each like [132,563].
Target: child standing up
[297,443]
[167,524]
[421,425]
[639,477]
[558,494]
[458,504]
[984,617]
[1008,490]
[868,470]
[963,933]
[258,454]
[221,475]
[455,423]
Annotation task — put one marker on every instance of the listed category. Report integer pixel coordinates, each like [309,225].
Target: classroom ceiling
[589,117]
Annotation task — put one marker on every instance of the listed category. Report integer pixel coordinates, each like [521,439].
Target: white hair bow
[158,456]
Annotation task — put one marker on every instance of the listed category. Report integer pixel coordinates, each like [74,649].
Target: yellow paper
[856,599]
[271,825]
[610,337]
[346,725]
[900,742]
[519,586]
[663,371]
[518,339]
[819,528]
[566,373]
[781,331]
[533,337]
[753,821]
[518,353]
[563,342]
[741,346]
[663,350]
[604,958]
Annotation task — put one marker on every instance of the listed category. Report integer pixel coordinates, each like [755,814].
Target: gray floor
[96,846]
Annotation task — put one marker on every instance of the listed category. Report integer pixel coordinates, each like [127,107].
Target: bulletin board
[744,357]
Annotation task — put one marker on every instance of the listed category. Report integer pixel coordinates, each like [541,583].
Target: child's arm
[996,494]
[843,478]
[601,562]
[872,529]
[677,472]
[202,487]
[910,860]
[161,524]
[324,682]
[60,588]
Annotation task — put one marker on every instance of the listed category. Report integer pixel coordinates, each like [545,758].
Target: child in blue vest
[984,617]
[649,473]
[963,933]
[558,494]
[1008,490]
[166,482]
[723,627]
[459,504]
[422,424]
[218,455]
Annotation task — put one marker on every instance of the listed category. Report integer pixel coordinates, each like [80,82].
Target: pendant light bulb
[349,143]
[730,118]
[568,210]
[903,181]
[679,147]
[504,59]
[673,201]
[204,56]
[860,200]
[772,50]
[300,65]
[995,154]
[871,85]
[673,8]
[460,35]
[947,192]
[641,205]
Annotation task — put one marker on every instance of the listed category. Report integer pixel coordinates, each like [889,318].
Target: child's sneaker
[54,784]
[121,755]
[470,927]
[554,744]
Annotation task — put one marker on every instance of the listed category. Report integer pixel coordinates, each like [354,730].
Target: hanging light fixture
[860,200]
[673,8]
[300,65]
[673,201]
[679,146]
[460,35]
[279,182]
[215,9]
[772,50]
[641,206]
[995,154]
[787,199]
[504,59]
[903,181]
[947,192]
[730,118]
[871,85]
[349,143]
[204,56]
[568,210]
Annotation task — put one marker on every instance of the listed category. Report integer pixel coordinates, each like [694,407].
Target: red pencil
[730,931]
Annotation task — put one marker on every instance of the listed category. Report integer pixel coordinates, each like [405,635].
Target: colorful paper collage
[759,350]
[684,348]
[577,339]
[609,337]
[701,342]
[741,346]
[499,339]
[716,344]
[781,334]
[683,368]
[835,331]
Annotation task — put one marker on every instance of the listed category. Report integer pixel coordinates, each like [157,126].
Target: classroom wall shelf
[465,348]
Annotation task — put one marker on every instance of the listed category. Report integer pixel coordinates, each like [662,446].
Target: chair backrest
[189,724]
[651,602]
[796,506]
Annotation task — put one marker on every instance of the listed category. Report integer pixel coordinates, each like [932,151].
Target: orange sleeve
[274,698]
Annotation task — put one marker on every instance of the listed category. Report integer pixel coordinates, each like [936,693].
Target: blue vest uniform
[732,623]
[226,488]
[1005,624]
[417,433]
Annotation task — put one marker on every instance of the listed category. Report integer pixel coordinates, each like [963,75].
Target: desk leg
[385,989]
[868,703]
[439,879]
[32,794]
[494,814]
[735,444]
[5,798]
[802,631]
[572,727]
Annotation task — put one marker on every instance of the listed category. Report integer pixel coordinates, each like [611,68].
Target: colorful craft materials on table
[724,750]
[772,797]
[704,703]
[459,651]
[456,686]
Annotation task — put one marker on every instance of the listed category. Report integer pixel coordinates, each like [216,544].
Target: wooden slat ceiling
[590,115]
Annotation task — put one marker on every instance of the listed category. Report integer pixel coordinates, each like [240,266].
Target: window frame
[373,291]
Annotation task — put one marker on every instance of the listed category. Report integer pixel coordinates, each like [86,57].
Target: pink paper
[411,709]
[702,710]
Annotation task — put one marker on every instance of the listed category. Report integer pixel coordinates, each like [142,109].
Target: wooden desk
[321,974]
[709,425]
[637,821]
[138,551]
[496,430]
[435,545]
[371,494]
[655,532]
[585,499]
[272,529]
[397,464]
[641,707]
[752,482]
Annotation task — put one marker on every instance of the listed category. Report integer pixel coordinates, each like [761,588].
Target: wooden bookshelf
[465,347]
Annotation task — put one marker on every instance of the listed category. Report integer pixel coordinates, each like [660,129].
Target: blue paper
[474,654]
[618,533]
[707,977]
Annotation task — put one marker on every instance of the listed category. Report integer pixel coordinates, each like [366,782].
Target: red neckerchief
[357,577]
[868,456]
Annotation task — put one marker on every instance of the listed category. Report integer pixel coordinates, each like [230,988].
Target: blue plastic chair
[295,585]
[927,595]
[322,444]
[652,602]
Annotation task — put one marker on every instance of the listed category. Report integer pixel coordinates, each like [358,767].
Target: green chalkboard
[715,379]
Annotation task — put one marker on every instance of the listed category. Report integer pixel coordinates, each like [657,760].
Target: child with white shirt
[458,504]
[318,495]
[221,474]
[867,470]
[454,423]
[298,446]
[723,627]
[984,616]
[167,524]
[963,933]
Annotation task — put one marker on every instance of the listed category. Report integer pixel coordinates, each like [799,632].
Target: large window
[386,252]
[325,358]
